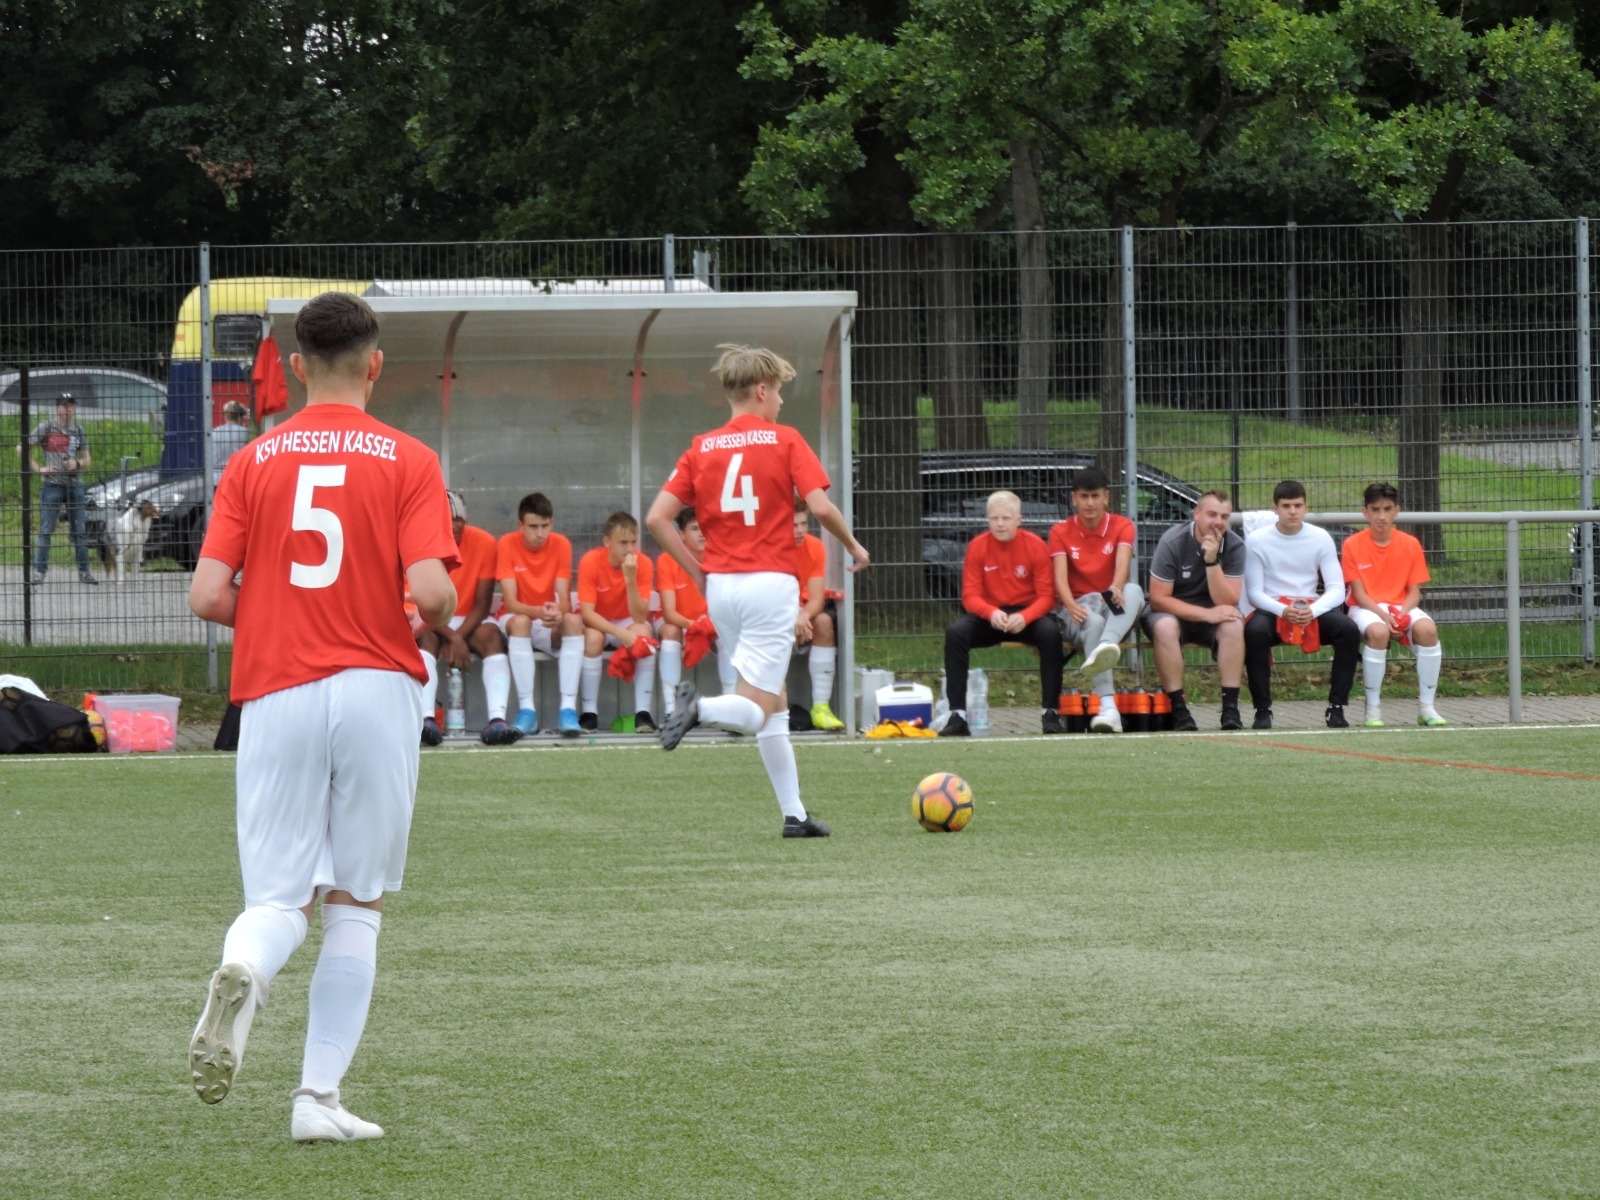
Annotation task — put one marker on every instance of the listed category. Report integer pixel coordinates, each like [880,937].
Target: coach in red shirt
[1008,592]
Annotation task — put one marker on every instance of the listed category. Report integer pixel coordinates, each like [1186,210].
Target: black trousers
[1261,635]
[970,633]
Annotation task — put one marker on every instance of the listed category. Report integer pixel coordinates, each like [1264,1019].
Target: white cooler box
[905,702]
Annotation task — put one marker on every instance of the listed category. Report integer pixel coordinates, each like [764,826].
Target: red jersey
[477,551]
[536,571]
[1091,553]
[686,598]
[741,480]
[1386,572]
[324,514]
[810,562]
[1007,575]
[604,586]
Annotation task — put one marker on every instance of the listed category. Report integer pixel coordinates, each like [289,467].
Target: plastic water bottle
[978,702]
[455,708]
[941,706]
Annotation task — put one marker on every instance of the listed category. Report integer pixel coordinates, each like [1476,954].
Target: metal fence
[1452,360]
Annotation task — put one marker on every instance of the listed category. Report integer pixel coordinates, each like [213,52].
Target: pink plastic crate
[139,723]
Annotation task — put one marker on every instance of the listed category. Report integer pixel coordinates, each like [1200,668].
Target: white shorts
[755,614]
[541,635]
[326,780]
[1365,618]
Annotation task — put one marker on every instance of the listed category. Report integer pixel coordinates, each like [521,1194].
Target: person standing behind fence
[66,454]
[230,437]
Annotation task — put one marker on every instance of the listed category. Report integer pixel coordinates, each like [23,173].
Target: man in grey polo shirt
[1196,577]
[66,454]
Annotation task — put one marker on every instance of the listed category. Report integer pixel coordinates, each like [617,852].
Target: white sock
[726,673]
[644,684]
[736,714]
[822,660]
[341,992]
[521,653]
[430,694]
[671,672]
[263,938]
[496,685]
[777,755]
[591,683]
[1373,662]
[1430,661]
[570,670]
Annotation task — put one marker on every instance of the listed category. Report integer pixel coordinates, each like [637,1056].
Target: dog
[123,547]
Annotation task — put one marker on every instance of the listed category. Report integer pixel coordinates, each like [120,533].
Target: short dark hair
[684,518]
[800,505]
[619,520]
[1090,479]
[335,324]
[1380,491]
[1215,494]
[536,503]
[1289,489]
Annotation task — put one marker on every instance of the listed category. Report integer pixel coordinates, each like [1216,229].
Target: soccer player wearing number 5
[741,480]
[1386,569]
[333,517]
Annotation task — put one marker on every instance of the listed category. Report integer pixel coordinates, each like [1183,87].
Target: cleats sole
[215,1051]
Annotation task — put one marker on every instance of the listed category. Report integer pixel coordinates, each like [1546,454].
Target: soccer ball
[942,803]
[97,728]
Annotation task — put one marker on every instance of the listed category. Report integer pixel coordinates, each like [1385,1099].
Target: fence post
[1129,389]
[1291,330]
[1514,618]
[208,484]
[23,416]
[669,265]
[1585,439]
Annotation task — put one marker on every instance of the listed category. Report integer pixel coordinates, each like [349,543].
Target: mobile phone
[1108,596]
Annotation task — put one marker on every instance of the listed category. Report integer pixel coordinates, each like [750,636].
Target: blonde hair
[1009,499]
[742,367]
[235,411]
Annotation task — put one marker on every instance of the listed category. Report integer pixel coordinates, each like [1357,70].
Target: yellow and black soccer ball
[942,803]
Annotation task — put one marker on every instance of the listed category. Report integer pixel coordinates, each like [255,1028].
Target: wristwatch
[1216,562]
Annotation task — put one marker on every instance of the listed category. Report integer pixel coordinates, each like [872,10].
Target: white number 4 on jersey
[745,500]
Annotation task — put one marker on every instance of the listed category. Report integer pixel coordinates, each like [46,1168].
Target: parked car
[956,485]
[102,393]
[176,533]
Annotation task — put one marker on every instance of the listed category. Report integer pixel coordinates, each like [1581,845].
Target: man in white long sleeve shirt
[1283,563]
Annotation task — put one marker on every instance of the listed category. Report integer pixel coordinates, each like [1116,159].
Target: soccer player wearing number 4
[741,480]
[1385,569]
[332,517]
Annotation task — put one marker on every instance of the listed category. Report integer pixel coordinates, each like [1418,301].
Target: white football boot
[319,1117]
[1108,719]
[216,1050]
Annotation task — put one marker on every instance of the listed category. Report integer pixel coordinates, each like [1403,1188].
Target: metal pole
[669,266]
[1291,331]
[1514,618]
[1585,439]
[1233,480]
[1129,389]
[847,611]
[205,437]
[23,397]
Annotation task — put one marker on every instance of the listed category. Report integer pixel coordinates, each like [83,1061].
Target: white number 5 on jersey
[318,520]
[745,501]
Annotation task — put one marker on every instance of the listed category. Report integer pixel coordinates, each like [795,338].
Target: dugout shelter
[590,395]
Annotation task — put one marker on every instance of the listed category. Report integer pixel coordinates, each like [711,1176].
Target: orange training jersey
[1386,572]
[477,550]
[741,480]
[687,600]
[1013,574]
[535,571]
[810,562]
[602,585]
[324,514]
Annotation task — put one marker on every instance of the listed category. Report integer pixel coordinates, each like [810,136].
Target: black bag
[29,725]
[228,731]
[800,719]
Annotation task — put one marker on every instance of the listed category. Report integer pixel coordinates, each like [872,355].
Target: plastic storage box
[905,702]
[139,722]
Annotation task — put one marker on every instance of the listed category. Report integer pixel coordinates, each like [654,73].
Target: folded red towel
[625,659]
[1307,637]
[697,640]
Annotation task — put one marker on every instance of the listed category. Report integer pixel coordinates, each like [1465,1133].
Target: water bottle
[455,708]
[978,702]
[941,706]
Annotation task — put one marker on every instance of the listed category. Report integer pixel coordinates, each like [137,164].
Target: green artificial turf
[1173,967]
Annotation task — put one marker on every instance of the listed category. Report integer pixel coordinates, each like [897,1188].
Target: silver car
[102,393]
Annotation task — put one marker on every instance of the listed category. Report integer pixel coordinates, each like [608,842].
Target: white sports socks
[591,683]
[430,696]
[521,653]
[644,684]
[1430,661]
[735,713]
[1373,662]
[777,755]
[671,671]
[341,992]
[822,663]
[496,684]
[726,673]
[263,938]
[570,669]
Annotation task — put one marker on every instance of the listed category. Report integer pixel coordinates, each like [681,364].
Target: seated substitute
[1091,553]
[469,631]
[1293,582]
[1385,568]
[534,566]
[614,585]
[681,606]
[1005,589]
[815,629]
[1196,578]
